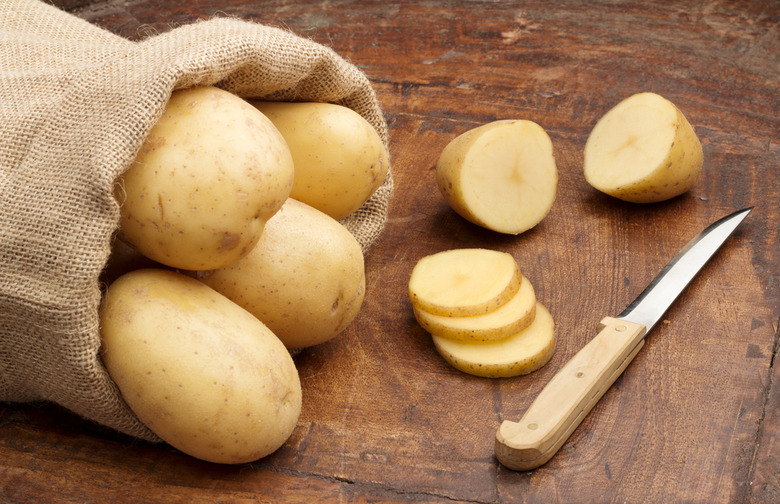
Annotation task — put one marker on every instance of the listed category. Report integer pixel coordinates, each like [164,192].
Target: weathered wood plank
[693,418]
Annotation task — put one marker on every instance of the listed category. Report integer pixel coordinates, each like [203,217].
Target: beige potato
[340,160]
[506,320]
[202,373]
[210,174]
[305,278]
[643,150]
[501,176]
[519,354]
[463,282]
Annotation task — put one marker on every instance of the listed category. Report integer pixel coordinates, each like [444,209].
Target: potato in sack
[305,278]
[210,174]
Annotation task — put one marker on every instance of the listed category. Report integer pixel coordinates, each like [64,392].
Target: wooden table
[695,418]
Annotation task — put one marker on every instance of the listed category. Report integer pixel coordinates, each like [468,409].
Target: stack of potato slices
[481,312]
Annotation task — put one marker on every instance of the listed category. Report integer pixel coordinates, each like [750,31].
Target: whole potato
[202,373]
[339,158]
[210,174]
[305,278]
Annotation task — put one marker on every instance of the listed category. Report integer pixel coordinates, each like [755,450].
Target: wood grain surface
[696,416]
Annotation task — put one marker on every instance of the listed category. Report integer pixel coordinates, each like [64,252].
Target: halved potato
[501,176]
[520,354]
[643,150]
[508,319]
[464,282]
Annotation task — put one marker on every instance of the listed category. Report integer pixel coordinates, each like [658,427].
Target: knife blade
[570,395]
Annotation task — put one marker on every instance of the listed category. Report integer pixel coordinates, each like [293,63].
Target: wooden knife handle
[569,396]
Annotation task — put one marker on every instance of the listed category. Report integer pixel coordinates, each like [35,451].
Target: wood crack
[767,394]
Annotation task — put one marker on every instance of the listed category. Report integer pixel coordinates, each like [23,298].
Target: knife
[577,387]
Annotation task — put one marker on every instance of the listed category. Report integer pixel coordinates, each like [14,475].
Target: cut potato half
[519,354]
[508,319]
[643,151]
[501,176]
[464,282]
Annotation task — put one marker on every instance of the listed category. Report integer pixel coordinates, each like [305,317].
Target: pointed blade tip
[635,312]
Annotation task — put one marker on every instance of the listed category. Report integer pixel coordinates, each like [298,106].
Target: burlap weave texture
[76,103]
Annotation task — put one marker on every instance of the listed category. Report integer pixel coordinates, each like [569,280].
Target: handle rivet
[620,328]
[579,374]
[533,426]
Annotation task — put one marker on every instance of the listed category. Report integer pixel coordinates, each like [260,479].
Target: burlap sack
[76,103]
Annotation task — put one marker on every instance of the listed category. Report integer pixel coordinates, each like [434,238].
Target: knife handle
[569,396]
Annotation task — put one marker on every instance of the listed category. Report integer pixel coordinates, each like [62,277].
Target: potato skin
[305,279]
[340,160]
[199,371]
[209,175]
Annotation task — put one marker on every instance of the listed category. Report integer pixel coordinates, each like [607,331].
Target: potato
[463,282]
[340,160]
[643,151]
[519,354]
[210,174]
[501,176]
[305,278]
[509,318]
[202,373]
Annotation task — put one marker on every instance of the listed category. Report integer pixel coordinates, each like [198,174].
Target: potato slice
[508,319]
[519,354]
[643,151]
[464,282]
[501,176]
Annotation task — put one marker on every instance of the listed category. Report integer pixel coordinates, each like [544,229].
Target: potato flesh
[464,282]
[519,354]
[305,279]
[200,372]
[509,318]
[501,176]
[339,158]
[637,134]
[643,150]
